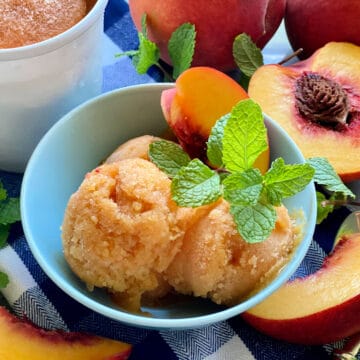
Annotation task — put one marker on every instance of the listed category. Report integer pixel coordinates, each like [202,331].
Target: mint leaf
[248,57]
[168,156]
[181,48]
[243,188]
[144,25]
[147,56]
[245,136]
[214,143]
[4,280]
[3,192]
[254,223]
[9,211]
[326,175]
[148,53]
[282,181]
[4,234]
[195,185]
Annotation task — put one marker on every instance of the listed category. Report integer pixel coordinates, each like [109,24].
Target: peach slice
[201,96]
[317,101]
[321,308]
[22,340]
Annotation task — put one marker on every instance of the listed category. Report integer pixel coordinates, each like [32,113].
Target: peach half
[22,340]
[321,308]
[201,96]
[317,101]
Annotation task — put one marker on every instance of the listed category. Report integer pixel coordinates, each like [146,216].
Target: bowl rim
[140,320]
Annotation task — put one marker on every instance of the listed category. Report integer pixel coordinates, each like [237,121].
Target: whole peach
[217,23]
[312,24]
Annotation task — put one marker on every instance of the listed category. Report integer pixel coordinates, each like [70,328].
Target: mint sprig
[4,234]
[326,175]
[168,156]
[236,141]
[283,181]
[147,55]
[214,143]
[195,185]
[248,57]
[254,222]
[181,47]
[336,191]
[243,188]
[9,214]
[244,136]
[4,280]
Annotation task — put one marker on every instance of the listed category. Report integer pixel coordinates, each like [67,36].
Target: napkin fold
[32,294]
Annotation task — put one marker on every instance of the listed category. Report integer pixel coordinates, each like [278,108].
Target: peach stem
[340,202]
[288,58]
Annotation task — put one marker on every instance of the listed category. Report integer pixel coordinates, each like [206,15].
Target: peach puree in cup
[25,22]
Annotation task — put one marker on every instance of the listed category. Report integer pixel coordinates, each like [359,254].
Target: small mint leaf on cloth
[214,143]
[254,223]
[195,185]
[9,211]
[181,47]
[4,280]
[4,234]
[282,181]
[3,192]
[326,175]
[245,136]
[248,57]
[168,156]
[243,188]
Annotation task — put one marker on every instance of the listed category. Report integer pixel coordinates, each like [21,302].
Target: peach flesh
[320,308]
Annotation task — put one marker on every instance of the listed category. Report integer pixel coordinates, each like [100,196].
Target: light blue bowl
[75,145]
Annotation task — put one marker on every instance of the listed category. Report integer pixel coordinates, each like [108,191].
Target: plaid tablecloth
[32,293]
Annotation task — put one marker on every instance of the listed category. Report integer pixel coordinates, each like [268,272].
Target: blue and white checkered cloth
[33,294]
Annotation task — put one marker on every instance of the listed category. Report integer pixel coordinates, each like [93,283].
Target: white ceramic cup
[41,82]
